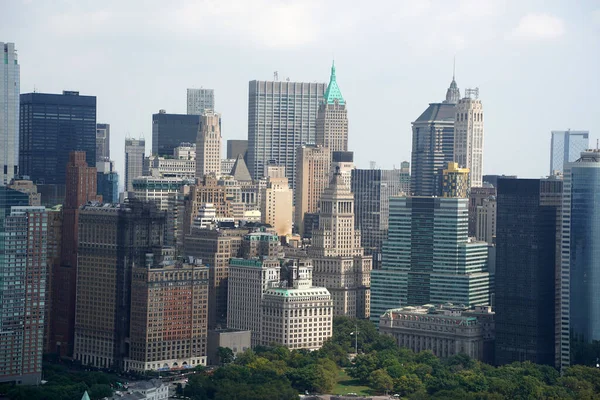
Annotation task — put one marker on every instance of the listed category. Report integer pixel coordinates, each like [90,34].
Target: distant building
[26,186]
[182,164]
[477,196]
[312,177]
[169,130]
[102,142]
[332,118]
[154,389]
[55,221]
[493,179]
[200,100]
[134,161]
[566,146]
[526,269]
[468,136]
[485,228]
[227,165]
[237,147]
[163,287]
[277,205]
[46,141]
[342,162]
[208,145]
[107,181]
[429,257]
[269,137]
[236,340]
[455,181]
[10,77]
[446,330]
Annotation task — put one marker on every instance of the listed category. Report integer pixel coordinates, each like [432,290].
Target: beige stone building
[206,191]
[277,205]
[169,314]
[468,136]
[208,145]
[332,118]
[311,180]
[297,315]
[339,261]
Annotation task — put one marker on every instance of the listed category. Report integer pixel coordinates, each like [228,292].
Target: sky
[536,64]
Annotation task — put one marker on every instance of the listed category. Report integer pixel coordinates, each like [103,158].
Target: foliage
[225,355]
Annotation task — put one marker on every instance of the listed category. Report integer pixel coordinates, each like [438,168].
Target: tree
[408,384]
[225,355]
[381,381]
[100,391]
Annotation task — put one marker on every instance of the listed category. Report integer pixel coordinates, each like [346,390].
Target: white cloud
[539,26]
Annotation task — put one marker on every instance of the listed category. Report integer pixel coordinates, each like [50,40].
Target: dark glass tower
[170,130]
[51,127]
[526,264]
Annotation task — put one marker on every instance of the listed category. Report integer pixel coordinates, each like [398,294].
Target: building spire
[453,93]
[333,93]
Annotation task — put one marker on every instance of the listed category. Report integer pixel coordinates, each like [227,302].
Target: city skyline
[512,62]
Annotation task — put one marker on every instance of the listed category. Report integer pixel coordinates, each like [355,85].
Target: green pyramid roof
[85,396]
[333,90]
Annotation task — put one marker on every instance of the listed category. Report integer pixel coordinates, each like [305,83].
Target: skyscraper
[81,188]
[9,113]
[134,161]
[526,242]
[372,190]
[338,258]
[455,181]
[580,263]
[23,239]
[51,127]
[208,145]
[102,142]
[468,136]
[200,100]
[281,117]
[237,147]
[170,130]
[433,144]
[113,238]
[429,258]
[566,146]
[332,118]
[107,181]
[277,205]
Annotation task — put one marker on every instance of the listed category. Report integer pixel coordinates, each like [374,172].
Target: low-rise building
[236,340]
[154,389]
[445,329]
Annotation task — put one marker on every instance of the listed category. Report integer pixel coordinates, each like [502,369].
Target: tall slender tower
[338,258]
[468,135]
[208,145]
[332,118]
[9,113]
[134,161]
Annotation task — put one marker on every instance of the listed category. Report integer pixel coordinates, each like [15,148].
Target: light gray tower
[566,146]
[200,100]
[9,113]
[134,161]
[281,117]
[468,136]
[102,142]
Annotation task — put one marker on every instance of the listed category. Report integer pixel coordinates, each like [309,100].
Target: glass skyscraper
[170,130]
[566,146]
[428,257]
[580,296]
[9,113]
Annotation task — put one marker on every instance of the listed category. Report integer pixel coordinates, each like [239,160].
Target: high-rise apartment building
[566,146]
[51,127]
[281,117]
[9,113]
[580,258]
[208,145]
[113,238]
[433,144]
[167,287]
[455,181]
[526,243]
[248,281]
[277,205]
[372,189]
[134,161]
[332,118]
[338,258]
[23,238]
[312,177]
[169,130]
[80,189]
[237,147]
[468,136]
[200,100]
[102,142]
[429,258]
[55,219]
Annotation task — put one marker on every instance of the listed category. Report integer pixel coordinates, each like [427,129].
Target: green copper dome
[333,90]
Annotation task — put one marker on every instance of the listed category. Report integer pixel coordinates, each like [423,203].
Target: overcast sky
[536,63]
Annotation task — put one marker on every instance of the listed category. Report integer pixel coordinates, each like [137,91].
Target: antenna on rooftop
[275,76]
[472,92]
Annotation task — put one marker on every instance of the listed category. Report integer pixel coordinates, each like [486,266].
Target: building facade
[107,181]
[312,178]
[485,229]
[332,118]
[134,161]
[446,330]
[200,100]
[455,181]
[277,205]
[51,127]
[208,145]
[10,86]
[526,239]
[102,142]
[566,146]
[181,165]
[169,130]
[429,257]
[477,197]
[468,136]
[281,117]
[237,147]
[340,264]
